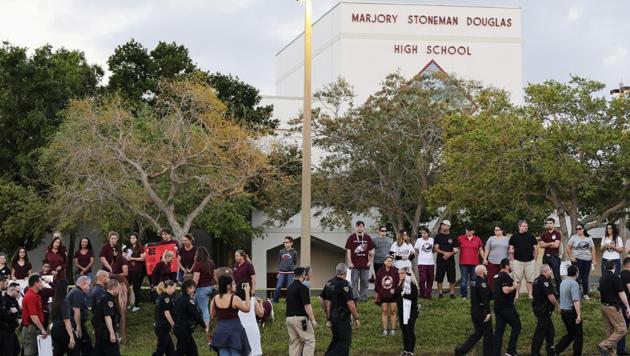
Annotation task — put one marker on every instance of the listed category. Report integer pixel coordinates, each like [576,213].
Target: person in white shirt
[612,245]
[424,251]
[402,250]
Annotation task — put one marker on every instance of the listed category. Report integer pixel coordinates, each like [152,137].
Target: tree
[164,162]
[385,155]
[33,90]
[22,216]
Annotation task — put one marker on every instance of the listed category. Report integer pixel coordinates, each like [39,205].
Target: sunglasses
[578,228]
[383,230]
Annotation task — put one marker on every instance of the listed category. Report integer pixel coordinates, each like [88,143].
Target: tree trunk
[562,218]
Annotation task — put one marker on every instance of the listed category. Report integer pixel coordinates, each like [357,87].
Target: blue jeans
[282,279]
[617,266]
[468,273]
[229,352]
[553,262]
[202,298]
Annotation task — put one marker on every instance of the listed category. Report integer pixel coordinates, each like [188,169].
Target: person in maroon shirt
[106,256]
[20,265]
[550,240]
[203,275]
[120,267]
[385,287]
[136,258]
[162,270]
[243,272]
[32,316]
[360,254]
[186,257]
[56,256]
[84,258]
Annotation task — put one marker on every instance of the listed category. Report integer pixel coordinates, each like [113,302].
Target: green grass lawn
[443,324]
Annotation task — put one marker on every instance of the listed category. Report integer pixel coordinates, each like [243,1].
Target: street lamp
[305,244]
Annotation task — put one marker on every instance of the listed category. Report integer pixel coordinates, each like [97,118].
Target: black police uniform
[543,309]
[9,321]
[162,327]
[505,313]
[341,327]
[187,316]
[480,297]
[327,291]
[105,306]
[78,299]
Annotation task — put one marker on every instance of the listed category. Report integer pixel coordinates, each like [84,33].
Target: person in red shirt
[360,254]
[32,316]
[56,256]
[106,256]
[470,249]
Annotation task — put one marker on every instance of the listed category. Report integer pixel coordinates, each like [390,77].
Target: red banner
[153,254]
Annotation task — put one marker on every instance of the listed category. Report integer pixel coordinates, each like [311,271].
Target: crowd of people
[491,277]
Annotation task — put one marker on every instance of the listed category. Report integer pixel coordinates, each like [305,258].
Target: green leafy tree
[23,216]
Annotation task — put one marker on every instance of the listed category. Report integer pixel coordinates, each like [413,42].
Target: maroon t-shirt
[243,273]
[106,251]
[21,272]
[84,259]
[57,260]
[187,256]
[549,237]
[359,248]
[136,266]
[117,267]
[206,273]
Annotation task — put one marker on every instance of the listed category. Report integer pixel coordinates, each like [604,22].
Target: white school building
[363,42]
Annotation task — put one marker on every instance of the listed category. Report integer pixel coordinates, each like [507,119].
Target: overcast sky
[587,38]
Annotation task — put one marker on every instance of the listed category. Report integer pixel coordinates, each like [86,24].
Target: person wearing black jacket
[105,318]
[407,305]
[505,289]
[543,304]
[480,297]
[10,317]
[164,318]
[187,317]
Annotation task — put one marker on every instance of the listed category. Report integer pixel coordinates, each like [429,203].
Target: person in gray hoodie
[287,260]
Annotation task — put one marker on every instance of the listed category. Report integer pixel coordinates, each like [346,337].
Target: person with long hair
[203,275]
[402,250]
[187,316]
[244,273]
[186,257]
[424,251]
[136,258]
[56,256]
[581,251]
[496,250]
[61,332]
[385,288]
[4,269]
[162,269]
[120,265]
[407,304]
[612,245]
[229,337]
[20,265]
[84,258]
[164,318]
[248,320]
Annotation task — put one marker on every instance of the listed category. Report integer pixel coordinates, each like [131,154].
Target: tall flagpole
[305,244]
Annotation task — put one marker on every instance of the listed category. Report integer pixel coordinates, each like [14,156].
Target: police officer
[505,289]
[104,318]
[10,317]
[164,318]
[340,309]
[187,316]
[480,314]
[325,296]
[543,304]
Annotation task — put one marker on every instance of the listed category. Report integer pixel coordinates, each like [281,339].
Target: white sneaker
[135,309]
[385,332]
[392,332]
[586,297]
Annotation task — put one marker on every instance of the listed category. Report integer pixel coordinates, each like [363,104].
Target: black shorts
[445,267]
